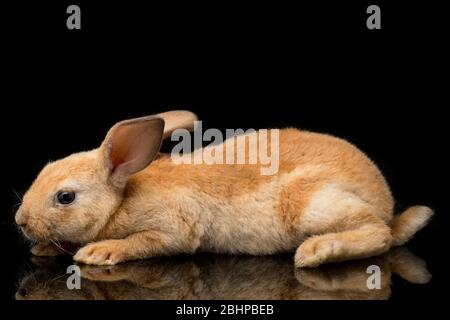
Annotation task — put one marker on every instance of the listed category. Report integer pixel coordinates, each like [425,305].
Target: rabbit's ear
[177,119]
[130,146]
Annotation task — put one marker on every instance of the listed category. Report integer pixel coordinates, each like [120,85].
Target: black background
[310,65]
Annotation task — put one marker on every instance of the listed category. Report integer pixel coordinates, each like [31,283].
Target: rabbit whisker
[60,247]
[17,195]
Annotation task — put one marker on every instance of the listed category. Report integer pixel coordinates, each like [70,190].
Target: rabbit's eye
[65,197]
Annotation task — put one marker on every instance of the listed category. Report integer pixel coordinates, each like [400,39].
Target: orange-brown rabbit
[328,201]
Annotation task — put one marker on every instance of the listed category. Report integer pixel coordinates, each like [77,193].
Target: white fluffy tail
[406,224]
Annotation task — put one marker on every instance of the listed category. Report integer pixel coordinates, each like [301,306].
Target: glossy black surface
[206,277]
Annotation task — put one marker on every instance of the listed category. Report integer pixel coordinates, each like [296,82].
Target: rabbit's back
[234,208]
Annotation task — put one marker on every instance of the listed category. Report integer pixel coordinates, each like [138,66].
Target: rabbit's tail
[406,224]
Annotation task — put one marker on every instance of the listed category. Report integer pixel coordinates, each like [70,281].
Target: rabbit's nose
[21,218]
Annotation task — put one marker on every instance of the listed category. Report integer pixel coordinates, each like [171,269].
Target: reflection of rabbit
[328,200]
[225,277]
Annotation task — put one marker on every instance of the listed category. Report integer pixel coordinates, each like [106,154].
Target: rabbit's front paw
[108,252]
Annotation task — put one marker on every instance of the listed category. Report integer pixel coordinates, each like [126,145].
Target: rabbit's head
[73,198]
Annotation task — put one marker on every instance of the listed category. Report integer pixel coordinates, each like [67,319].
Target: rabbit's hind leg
[343,227]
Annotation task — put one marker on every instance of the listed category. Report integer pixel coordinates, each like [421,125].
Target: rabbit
[219,277]
[124,201]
